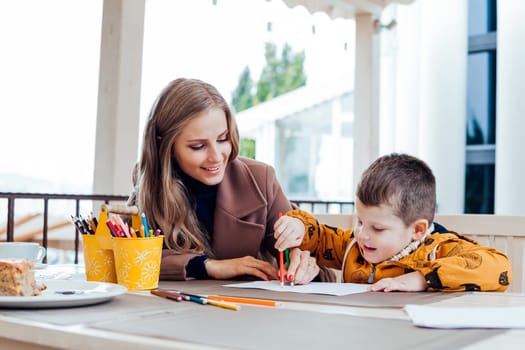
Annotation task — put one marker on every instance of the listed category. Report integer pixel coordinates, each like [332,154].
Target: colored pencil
[145,224]
[223,304]
[123,226]
[112,229]
[167,294]
[281,262]
[205,300]
[281,268]
[78,225]
[252,301]
[199,299]
[287,262]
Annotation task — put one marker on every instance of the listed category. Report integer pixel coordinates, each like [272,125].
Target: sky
[49,70]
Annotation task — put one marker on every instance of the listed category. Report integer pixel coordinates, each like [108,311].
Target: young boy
[395,245]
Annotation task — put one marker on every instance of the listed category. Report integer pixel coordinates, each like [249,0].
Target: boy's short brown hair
[402,181]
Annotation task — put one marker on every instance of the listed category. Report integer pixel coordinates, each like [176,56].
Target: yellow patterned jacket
[448,261]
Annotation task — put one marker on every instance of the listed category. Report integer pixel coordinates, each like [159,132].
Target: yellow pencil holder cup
[98,258]
[137,261]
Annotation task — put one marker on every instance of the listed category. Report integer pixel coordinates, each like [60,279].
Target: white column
[366,122]
[510,128]
[119,95]
[408,78]
[387,82]
[444,41]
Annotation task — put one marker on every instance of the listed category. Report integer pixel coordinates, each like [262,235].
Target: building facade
[450,78]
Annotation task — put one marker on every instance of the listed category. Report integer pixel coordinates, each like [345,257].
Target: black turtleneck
[202,197]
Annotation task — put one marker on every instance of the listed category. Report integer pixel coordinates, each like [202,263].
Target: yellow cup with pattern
[98,258]
[137,261]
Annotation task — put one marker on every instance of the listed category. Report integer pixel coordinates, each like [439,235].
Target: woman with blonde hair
[216,210]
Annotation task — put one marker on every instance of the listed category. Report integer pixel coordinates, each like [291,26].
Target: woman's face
[203,147]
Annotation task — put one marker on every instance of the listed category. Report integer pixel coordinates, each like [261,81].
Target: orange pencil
[252,301]
[281,263]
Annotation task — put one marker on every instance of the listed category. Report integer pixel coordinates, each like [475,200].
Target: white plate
[60,293]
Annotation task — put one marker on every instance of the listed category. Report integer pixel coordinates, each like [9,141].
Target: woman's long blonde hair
[162,195]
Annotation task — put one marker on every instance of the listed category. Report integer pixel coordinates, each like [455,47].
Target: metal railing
[313,206]
[11,198]
[324,207]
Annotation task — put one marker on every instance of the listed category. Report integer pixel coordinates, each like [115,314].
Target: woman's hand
[248,265]
[409,282]
[288,232]
[303,268]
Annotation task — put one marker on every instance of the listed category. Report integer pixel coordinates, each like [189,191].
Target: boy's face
[380,233]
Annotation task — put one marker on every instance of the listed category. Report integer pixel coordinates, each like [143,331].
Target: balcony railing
[313,206]
[12,197]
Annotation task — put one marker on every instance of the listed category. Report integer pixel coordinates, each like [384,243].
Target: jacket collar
[238,193]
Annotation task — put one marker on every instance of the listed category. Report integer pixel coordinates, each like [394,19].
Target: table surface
[139,320]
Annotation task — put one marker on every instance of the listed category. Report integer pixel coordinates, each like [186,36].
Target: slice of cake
[18,279]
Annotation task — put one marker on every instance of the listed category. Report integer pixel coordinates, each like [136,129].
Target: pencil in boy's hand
[281,261]
[281,267]
[289,278]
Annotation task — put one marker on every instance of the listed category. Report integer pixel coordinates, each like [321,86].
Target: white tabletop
[17,329]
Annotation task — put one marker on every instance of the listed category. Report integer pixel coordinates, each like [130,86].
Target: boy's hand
[288,232]
[409,282]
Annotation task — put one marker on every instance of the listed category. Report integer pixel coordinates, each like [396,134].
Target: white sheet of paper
[310,288]
[466,317]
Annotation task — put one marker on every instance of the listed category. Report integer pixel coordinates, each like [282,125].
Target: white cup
[22,250]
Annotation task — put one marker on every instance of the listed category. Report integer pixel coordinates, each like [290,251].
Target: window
[481,107]
[314,150]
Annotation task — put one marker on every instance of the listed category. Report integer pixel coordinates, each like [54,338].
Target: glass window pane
[479,189]
[482,16]
[315,153]
[481,98]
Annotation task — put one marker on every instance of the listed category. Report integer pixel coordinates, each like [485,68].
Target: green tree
[280,75]
[242,97]
[247,147]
